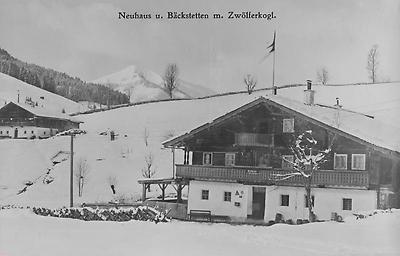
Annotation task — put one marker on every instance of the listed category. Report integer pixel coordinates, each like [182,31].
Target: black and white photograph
[185,128]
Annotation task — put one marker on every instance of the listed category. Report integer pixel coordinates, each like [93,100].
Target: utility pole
[71,181]
[173,162]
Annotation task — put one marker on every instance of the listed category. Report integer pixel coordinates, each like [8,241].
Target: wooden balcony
[260,175]
[254,139]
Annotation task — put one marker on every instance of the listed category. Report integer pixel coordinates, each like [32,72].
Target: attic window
[340,162]
[288,125]
[358,162]
[207,158]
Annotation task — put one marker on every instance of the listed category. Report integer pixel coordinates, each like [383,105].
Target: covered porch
[178,184]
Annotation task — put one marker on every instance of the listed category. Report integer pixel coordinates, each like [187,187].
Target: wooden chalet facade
[231,163]
[19,122]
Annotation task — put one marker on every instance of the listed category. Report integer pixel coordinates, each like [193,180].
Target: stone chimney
[309,94]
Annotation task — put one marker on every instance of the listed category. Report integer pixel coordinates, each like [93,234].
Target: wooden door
[258,203]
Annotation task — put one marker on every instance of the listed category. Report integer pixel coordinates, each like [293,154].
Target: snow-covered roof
[45,112]
[351,123]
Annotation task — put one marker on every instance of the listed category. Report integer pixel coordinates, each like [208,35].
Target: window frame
[352,162]
[234,159]
[227,195]
[334,161]
[282,201]
[205,194]
[288,121]
[344,205]
[211,158]
[289,166]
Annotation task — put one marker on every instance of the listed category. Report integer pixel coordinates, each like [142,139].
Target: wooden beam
[144,188]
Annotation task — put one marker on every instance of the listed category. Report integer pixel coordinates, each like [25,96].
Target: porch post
[143,192]
[173,162]
[179,193]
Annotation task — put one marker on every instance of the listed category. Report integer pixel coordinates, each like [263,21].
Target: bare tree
[171,79]
[128,91]
[250,82]
[148,171]
[81,174]
[146,135]
[168,134]
[308,158]
[372,63]
[322,75]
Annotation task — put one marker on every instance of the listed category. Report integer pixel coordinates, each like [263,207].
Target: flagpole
[273,63]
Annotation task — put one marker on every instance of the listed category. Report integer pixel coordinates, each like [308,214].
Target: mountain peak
[143,85]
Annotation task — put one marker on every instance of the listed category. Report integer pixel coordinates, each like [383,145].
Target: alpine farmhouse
[27,121]
[231,163]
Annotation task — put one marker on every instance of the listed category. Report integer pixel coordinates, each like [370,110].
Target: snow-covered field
[23,233]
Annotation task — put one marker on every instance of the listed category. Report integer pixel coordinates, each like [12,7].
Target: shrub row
[111,214]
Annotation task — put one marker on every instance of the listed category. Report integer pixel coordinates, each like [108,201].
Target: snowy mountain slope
[145,85]
[124,157]
[10,86]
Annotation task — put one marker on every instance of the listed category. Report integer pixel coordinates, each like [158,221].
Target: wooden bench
[202,214]
[221,218]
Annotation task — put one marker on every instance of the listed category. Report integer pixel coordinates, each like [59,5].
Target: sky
[86,39]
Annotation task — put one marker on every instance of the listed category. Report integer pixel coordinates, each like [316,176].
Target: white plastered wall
[216,203]
[327,200]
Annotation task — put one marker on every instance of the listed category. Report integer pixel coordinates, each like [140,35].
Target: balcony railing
[259,175]
[254,139]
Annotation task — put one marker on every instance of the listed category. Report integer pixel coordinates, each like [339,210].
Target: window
[288,125]
[32,132]
[358,162]
[230,159]
[7,132]
[347,204]
[306,201]
[340,162]
[287,161]
[284,200]
[227,196]
[24,132]
[1,132]
[204,194]
[207,158]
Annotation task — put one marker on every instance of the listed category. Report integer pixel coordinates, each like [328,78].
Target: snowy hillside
[23,233]
[122,160]
[9,88]
[145,85]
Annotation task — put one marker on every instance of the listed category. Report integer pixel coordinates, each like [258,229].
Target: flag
[271,47]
